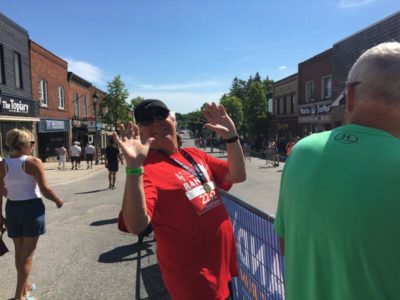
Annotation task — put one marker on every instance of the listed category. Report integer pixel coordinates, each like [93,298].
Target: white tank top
[20,185]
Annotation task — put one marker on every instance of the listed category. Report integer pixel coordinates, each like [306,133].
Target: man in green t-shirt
[338,213]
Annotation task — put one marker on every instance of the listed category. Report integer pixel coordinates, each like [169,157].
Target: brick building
[315,93]
[50,89]
[285,119]
[347,51]
[17,107]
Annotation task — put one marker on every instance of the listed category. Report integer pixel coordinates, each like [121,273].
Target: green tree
[255,111]
[238,89]
[234,108]
[114,106]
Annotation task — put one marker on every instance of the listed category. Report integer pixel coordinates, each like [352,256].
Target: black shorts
[75,158]
[25,218]
[89,157]
[112,166]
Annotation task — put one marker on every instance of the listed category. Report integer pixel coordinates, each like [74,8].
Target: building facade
[315,93]
[284,108]
[348,50]
[17,107]
[50,90]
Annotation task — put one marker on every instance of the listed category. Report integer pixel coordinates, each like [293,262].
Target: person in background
[75,154]
[24,179]
[176,190]
[90,151]
[112,155]
[338,211]
[62,157]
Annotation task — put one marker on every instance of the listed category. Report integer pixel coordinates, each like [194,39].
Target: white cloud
[178,86]
[281,68]
[85,70]
[353,3]
[181,102]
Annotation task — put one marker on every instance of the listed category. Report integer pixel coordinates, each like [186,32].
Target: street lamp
[96,137]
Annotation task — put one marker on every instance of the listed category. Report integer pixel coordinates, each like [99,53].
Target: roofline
[368,27]
[14,24]
[51,53]
[72,76]
[280,81]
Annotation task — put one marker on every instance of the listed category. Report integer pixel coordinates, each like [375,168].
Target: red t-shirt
[196,253]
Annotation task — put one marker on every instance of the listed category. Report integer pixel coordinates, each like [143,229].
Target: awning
[338,99]
[20,119]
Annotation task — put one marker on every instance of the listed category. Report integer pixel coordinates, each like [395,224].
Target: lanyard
[196,172]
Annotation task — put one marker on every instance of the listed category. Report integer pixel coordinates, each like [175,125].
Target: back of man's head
[376,73]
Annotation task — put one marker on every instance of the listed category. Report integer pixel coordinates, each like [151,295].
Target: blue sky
[186,52]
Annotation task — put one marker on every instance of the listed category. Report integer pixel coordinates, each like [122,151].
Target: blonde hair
[19,138]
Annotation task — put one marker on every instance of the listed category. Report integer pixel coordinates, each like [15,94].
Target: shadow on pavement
[125,253]
[90,192]
[153,283]
[104,222]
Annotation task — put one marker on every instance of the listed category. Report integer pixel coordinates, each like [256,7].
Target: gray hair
[376,73]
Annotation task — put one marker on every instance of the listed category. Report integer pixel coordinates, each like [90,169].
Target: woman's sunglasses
[32,142]
[159,116]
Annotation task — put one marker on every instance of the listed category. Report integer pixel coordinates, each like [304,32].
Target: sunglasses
[159,116]
[32,142]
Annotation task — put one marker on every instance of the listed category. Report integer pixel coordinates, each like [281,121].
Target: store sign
[79,123]
[314,109]
[55,125]
[19,107]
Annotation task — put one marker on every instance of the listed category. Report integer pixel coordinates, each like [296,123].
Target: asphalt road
[84,256]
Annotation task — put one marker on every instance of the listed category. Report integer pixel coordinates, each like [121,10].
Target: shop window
[85,109]
[18,70]
[326,87]
[309,91]
[76,105]
[2,71]
[43,97]
[61,98]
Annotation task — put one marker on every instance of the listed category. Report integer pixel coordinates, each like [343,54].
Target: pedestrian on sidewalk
[112,155]
[90,151]
[177,191]
[338,211]
[23,179]
[75,154]
[62,157]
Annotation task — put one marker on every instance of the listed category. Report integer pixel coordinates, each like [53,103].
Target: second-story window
[281,105]
[326,87]
[309,91]
[43,93]
[61,98]
[18,70]
[85,110]
[2,70]
[76,105]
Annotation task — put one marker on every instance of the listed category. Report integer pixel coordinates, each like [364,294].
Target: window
[85,106]
[326,87]
[309,91]
[76,105]
[281,106]
[288,100]
[61,97]
[18,70]
[2,71]
[43,93]
[275,107]
[294,104]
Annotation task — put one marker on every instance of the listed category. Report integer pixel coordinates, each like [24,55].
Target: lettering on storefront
[315,109]
[13,106]
[79,123]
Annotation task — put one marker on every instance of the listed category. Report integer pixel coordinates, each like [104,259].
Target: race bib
[203,198]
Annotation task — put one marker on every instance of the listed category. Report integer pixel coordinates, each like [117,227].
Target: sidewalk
[57,177]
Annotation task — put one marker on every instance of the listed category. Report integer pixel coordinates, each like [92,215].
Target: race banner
[259,260]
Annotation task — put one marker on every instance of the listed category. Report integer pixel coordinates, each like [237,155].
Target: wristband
[134,171]
[231,140]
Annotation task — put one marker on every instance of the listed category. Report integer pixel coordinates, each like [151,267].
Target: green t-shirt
[338,212]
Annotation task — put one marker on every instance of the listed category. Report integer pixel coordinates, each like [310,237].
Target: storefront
[52,134]
[315,117]
[16,113]
[80,131]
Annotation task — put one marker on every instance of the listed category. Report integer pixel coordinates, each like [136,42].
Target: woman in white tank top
[22,181]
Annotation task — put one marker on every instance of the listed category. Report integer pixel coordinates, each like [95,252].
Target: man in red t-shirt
[177,191]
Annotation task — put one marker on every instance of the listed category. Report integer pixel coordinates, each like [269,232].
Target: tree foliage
[115,109]
[234,108]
